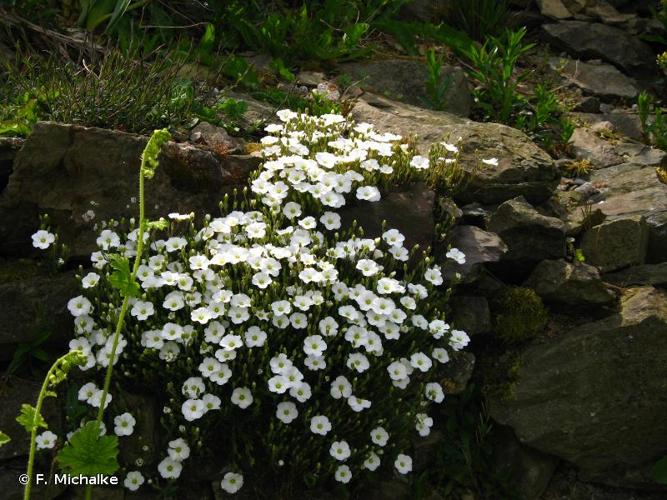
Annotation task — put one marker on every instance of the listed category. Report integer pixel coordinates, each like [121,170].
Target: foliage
[655,129]
[493,68]
[437,86]
[30,419]
[480,18]
[519,315]
[659,471]
[113,92]
[26,351]
[577,168]
[466,461]
[220,331]
[4,439]
[89,453]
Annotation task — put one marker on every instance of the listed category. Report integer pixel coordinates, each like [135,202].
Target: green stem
[33,432]
[123,309]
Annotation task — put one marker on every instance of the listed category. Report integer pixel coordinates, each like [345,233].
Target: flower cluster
[280,331]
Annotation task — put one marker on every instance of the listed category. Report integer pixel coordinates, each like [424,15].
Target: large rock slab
[599,79]
[405,80]
[599,41]
[77,173]
[34,303]
[648,274]
[523,168]
[529,235]
[595,395]
[567,284]
[616,244]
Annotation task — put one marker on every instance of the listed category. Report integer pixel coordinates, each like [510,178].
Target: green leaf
[149,157]
[88,453]
[660,471]
[30,419]
[121,277]
[4,439]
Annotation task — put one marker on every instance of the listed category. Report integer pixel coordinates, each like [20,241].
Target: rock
[68,170]
[607,14]
[596,385]
[588,104]
[523,168]
[458,372]
[641,154]
[599,79]
[471,314]
[648,274]
[215,138]
[554,9]
[587,145]
[9,146]
[531,469]
[426,10]
[34,303]
[575,285]
[624,122]
[405,80]
[657,236]
[598,41]
[529,235]
[409,210]
[145,438]
[616,244]
[480,247]
[13,490]
[15,392]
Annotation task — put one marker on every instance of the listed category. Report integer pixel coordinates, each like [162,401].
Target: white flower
[133,480]
[491,161]
[419,162]
[423,424]
[142,310]
[421,361]
[211,402]
[357,361]
[403,463]
[341,388]
[314,345]
[368,193]
[340,450]
[232,482]
[343,474]
[368,267]
[254,337]
[358,404]
[281,307]
[231,342]
[320,424]
[201,315]
[90,280]
[458,340]
[286,412]
[301,392]
[193,387]
[242,397]
[433,275]
[87,391]
[79,306]
[46,440]
[379,436]
[440,355]
[43,239]
[397,370]
[315,363]
[393,237]
[193,409]
[292,210]
[108,239]
[169,468]
[372,462]
[124,424]
[434,392]
[278,384]
[456,255]
[178,450]
[331,220]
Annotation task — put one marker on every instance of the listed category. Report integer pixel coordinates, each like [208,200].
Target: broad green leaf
[88,453]
[660,471]
[4,439]
[30,419]
[121,277]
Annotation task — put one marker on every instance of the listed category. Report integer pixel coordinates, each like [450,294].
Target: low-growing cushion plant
[283,346]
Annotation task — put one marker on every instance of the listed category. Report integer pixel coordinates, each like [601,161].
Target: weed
[519,315]
[655,131]
[577,168]
[480,18]
[437,86]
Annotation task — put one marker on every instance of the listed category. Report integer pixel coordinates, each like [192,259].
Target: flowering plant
[275,337]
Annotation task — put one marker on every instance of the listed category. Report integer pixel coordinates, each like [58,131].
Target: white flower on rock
[231,482]
[124,424]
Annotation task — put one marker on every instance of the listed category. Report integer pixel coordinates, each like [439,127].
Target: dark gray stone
[648,274]
[599,41]
[595,395]
[529,235]
[471,314]
[564,283]
[600,79]
[480,247]
[616,244]
[67,170]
